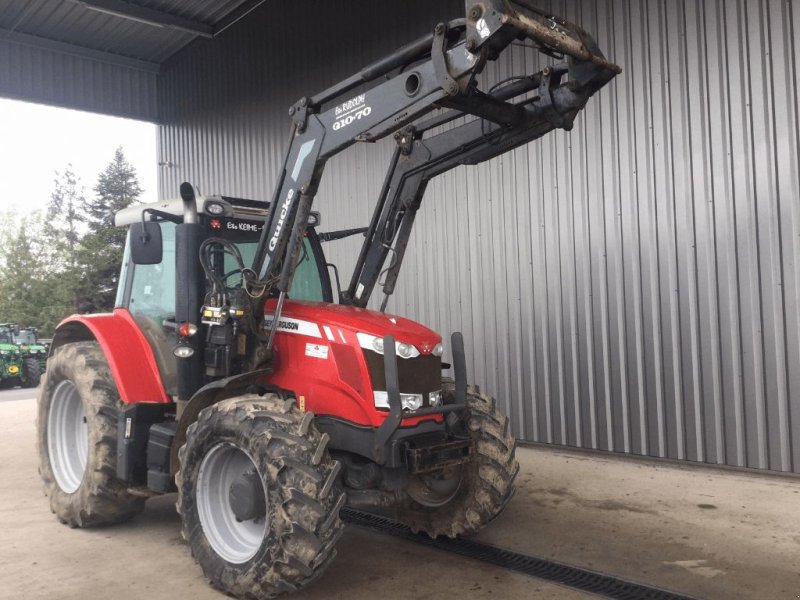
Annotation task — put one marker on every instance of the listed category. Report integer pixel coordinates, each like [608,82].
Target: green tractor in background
[23,358]
[10,360]
[30,346]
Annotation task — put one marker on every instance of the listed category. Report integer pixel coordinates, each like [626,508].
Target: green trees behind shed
[68,258]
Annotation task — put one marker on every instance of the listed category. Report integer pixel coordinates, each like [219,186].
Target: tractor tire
[31,373]
[76,434]
[466,498]
[288,540]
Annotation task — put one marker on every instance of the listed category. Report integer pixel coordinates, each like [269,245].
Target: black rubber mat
[574,577]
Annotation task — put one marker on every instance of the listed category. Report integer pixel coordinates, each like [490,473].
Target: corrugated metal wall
[633,285]
[35,74]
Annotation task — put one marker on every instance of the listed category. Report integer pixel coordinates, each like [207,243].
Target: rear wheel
[77,439]
[31,372]
[259,496]
[462,500]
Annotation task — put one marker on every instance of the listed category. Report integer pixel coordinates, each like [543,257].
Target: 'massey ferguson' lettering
[284,325]
[281,220]
[287,324]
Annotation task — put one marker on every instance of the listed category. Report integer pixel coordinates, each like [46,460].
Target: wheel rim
[68,437]
[435,490]
[233,540]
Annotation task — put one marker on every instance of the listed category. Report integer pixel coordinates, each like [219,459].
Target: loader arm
[545,104]
[436,71]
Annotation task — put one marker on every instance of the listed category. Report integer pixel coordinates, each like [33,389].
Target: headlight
[3,351]
[435,398]
[183,351]
[409,402]
[405,350]
[381,399]
[374,343]
[214,208]
[438,349]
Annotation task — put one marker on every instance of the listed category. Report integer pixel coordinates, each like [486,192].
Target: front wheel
[462,500]
[259,496]
[77,439]
[31,373]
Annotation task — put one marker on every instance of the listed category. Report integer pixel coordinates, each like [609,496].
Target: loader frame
[438,70]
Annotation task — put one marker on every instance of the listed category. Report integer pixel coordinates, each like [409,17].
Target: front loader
[228,373]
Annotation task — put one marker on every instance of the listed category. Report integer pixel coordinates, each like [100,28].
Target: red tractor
[228,374]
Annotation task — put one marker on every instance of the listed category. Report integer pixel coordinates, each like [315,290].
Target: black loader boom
[417,160]
[437,71]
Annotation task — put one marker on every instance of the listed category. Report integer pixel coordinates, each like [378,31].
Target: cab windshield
[26,337]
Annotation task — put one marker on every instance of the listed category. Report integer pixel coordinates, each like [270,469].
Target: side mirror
[146,244]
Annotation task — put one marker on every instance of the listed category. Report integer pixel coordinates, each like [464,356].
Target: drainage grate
[574,577]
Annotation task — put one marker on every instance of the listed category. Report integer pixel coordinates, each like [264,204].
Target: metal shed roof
[102,55]
[137,33]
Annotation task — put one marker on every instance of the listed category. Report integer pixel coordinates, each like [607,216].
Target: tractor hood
[8,348]
[36,348]
[320,319]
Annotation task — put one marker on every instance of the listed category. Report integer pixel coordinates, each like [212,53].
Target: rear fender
[126,349]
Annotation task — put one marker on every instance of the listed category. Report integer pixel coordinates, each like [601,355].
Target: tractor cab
[7,331]
[27,337]
[147,286]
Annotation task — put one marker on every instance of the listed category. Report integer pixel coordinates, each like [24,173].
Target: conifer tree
[63,218]
[100,253]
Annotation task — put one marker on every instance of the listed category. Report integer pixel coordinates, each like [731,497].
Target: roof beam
[238,13]
[26,39]
[148,16]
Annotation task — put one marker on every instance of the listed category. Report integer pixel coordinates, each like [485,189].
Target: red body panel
[128,353]
[318,356]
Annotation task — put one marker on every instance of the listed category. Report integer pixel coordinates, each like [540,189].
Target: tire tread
[489,476]
[302,486]
[101,499]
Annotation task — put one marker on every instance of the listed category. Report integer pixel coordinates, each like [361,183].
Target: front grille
[419,375]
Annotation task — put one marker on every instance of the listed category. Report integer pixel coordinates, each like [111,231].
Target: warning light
[215,208]
[215,224]
[187,329]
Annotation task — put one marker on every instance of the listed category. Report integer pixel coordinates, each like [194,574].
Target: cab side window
[152,291]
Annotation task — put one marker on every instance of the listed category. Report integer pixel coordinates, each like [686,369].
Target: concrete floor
[707,533]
